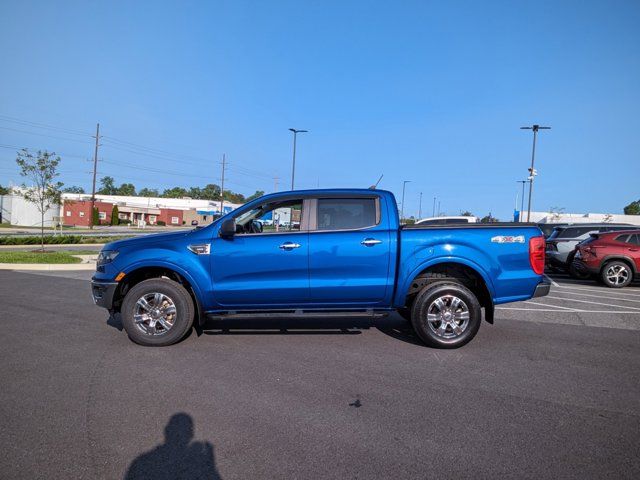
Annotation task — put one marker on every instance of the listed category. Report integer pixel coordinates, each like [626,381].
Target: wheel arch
[621,258]
[144,272]
[470,276]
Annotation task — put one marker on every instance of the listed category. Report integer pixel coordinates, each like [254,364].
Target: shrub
[114,215]
[161,223]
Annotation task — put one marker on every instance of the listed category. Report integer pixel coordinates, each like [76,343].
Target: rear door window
[622,238]
[634,239]
[346,213]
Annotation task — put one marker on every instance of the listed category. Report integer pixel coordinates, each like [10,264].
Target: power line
[7,118]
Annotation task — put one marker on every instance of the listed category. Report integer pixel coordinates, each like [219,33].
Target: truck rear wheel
[157,312]
[446,315]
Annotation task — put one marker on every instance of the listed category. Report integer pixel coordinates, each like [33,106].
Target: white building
[553,217]
[15,210]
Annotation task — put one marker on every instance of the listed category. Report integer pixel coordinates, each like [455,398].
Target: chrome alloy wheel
[154,313]
[448,316]
[617,274]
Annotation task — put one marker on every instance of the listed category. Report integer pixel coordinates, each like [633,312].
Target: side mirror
[228,228]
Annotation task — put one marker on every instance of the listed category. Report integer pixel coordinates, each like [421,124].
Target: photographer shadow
[179,457]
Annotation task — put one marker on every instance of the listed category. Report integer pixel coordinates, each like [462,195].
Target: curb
[47,267]
[57,245]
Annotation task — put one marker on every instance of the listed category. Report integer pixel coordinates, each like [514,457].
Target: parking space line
[603,290]
[553,282]
[592,303]
[598,296]
[560,311]
[552,306]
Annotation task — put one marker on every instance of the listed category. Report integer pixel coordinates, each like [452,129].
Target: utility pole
[224,160]
[438,207]
[293,168]
[523,182]
[420,207]
[532,171]
[404,184]
[95,171]
[433,214]
[275,183]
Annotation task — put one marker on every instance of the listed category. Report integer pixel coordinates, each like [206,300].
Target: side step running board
[233,314]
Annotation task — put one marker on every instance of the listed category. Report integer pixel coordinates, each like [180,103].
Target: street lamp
[404,184]
[532,171]
[293,169]
[523,182]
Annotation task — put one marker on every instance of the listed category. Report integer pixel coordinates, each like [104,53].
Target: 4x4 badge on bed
[507,239]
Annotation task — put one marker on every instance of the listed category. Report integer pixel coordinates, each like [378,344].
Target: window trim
[313,224]
[304,221]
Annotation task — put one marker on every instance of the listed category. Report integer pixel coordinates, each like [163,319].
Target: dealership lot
[551,390]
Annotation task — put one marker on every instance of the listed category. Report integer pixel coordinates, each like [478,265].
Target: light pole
[404,184]
[523,182]
[293,169]
[532,171]
[420,207]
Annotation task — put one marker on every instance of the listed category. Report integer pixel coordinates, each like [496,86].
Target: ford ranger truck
[318,253]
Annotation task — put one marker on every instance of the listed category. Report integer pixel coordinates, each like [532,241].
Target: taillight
[536,254]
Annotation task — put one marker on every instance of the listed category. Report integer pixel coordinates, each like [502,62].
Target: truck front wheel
[446,315]
[157,312]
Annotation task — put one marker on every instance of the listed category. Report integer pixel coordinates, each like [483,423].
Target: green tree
[467,213]
[175,192]
[257,194]
[44,191]
[73,189]
[489,219]
[149,192]
[95,216]
[195,192]
[127,189]
[114,215]
[108,186]
[4,190]
[211,191]
[633,208]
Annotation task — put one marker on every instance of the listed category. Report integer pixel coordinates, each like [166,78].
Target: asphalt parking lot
[552,390]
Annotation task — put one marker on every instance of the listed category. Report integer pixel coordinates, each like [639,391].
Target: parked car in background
[547,228]
[452,220]
[561,244]
[613,258]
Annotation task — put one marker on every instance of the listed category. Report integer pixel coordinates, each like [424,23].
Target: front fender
[192,272]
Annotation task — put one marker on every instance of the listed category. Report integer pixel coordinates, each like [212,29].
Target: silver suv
[561,244]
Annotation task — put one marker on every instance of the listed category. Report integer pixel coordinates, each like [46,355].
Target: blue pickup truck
[320,253]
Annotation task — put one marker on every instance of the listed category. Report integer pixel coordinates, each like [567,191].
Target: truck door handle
[370,242]
[289,246]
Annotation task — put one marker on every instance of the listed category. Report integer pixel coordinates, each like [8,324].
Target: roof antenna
[373,187]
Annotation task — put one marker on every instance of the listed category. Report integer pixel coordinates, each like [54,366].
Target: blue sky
[432,92]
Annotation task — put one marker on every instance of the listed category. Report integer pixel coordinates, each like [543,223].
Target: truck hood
[145,240]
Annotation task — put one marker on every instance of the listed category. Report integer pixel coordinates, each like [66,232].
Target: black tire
[426,300]
[623,270]
[181,320]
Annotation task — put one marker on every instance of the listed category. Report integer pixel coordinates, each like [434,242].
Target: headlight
[106,256]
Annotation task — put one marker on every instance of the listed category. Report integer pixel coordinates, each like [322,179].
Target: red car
[614,257]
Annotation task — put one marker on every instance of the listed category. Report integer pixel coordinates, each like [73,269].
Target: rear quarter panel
[505,267]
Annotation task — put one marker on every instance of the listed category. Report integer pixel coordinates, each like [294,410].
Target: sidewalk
[88,263]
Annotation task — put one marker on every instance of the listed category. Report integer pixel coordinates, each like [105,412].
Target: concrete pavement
[530,397]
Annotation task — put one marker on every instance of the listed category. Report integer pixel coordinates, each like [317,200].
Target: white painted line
[553,282]
[592,303]
[612,312]
[547,305]
[603,290]
[599,296]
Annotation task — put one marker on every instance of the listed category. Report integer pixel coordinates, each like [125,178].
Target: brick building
[76,210]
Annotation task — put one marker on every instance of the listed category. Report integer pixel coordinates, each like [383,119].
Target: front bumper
[103,293]
[542,289]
